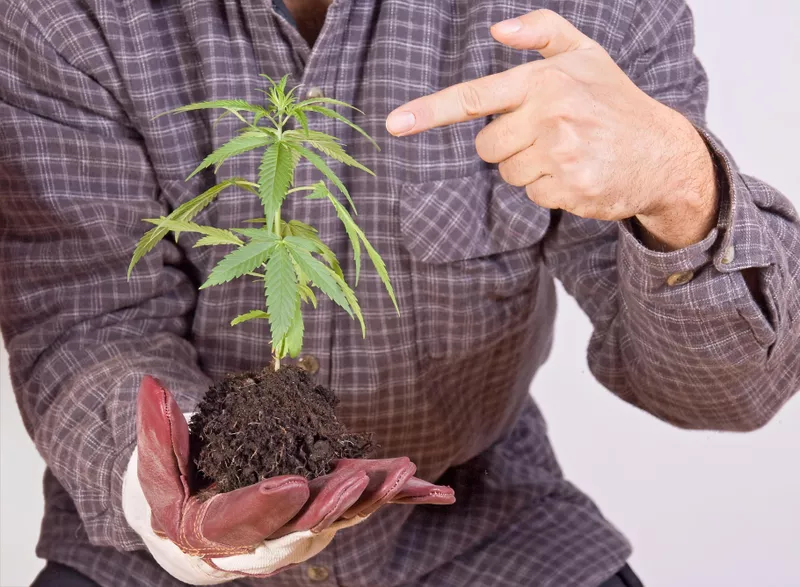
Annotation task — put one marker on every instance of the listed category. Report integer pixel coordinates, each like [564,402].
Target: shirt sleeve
[75,182]
[679,334]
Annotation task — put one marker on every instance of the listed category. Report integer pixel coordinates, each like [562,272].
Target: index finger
[493,94]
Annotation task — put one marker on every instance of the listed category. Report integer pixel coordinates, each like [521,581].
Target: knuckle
[586,182]
[510,173]
[469,99]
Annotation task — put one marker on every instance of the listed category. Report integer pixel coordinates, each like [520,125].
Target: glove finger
[247,516]
[331,496]
[418,491]
[386,478]
[163,453]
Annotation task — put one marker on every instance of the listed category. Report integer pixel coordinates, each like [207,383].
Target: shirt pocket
[475,262]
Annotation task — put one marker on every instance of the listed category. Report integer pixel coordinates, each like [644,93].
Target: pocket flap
[463,218]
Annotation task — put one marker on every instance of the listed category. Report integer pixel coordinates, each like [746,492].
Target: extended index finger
[493,94]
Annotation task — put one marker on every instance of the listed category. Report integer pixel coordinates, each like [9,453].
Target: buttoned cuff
[738,241]
[705,278]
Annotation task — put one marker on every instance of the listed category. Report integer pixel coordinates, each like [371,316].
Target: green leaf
[356,234]
[317,162]
[320,275]
[320,192]
[274,176]
[209,241]
[322,100]
[328,145]
[335,151]
[236,146]
[241,261]
[350,296]
[302,119]
[307,238]
[232,106]
[350,226]
[294,338]
[186,211]
[307,294]
[219,235]
[259,234]
[256,220]
[283,297]
[335,115]
[282,83]
[251,315]
[297,228]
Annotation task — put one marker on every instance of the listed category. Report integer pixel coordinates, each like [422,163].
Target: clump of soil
[255,425]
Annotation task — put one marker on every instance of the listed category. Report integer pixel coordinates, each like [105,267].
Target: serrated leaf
[282,83]
[146,244]
[353,231]
[259,234]
[186,211]
[335,115]
[320,275]
[219,235]
[314,135]
[311,242]
[274,176]
[241,261]
[350,228]
[232,106]
[297,228]
[335,151]
[236,146]
[350,296]
[320,192]
[251,315]
[294,338]
[210,241]
[318,162]
[380,267]
[322,100]
[281,291]
[302,119]
[307,294]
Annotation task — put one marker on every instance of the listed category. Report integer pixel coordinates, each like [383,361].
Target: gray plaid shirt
[472,260]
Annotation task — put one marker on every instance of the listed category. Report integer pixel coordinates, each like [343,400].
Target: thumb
[163,440]
[542,30]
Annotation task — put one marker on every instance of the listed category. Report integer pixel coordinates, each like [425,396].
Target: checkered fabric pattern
[82,160]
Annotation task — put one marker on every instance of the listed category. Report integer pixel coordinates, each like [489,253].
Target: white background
[702,509]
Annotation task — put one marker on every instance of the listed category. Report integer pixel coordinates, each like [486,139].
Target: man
[595,112]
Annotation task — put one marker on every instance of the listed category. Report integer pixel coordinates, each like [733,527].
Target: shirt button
[728,256]
[318,574]
[308,363]
[680,278]
[314,92]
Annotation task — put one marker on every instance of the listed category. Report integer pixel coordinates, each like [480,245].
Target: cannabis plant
[288,256]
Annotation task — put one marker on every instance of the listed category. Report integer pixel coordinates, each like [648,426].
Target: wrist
[687,208]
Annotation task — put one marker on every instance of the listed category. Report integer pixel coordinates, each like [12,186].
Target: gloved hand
[252,531]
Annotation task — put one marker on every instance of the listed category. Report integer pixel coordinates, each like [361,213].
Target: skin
[577,133]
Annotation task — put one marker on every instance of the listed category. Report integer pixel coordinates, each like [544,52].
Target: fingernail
[400,122]
[508,27]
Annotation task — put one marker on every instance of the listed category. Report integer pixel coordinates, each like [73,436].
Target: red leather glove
[238,522]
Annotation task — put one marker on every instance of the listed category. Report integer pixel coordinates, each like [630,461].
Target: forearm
[708,353]
[86,432]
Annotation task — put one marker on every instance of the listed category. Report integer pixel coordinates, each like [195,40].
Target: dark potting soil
[255,425]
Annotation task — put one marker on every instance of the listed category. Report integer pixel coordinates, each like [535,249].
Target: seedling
[287,256]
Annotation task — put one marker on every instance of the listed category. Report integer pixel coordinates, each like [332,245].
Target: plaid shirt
[472,260]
